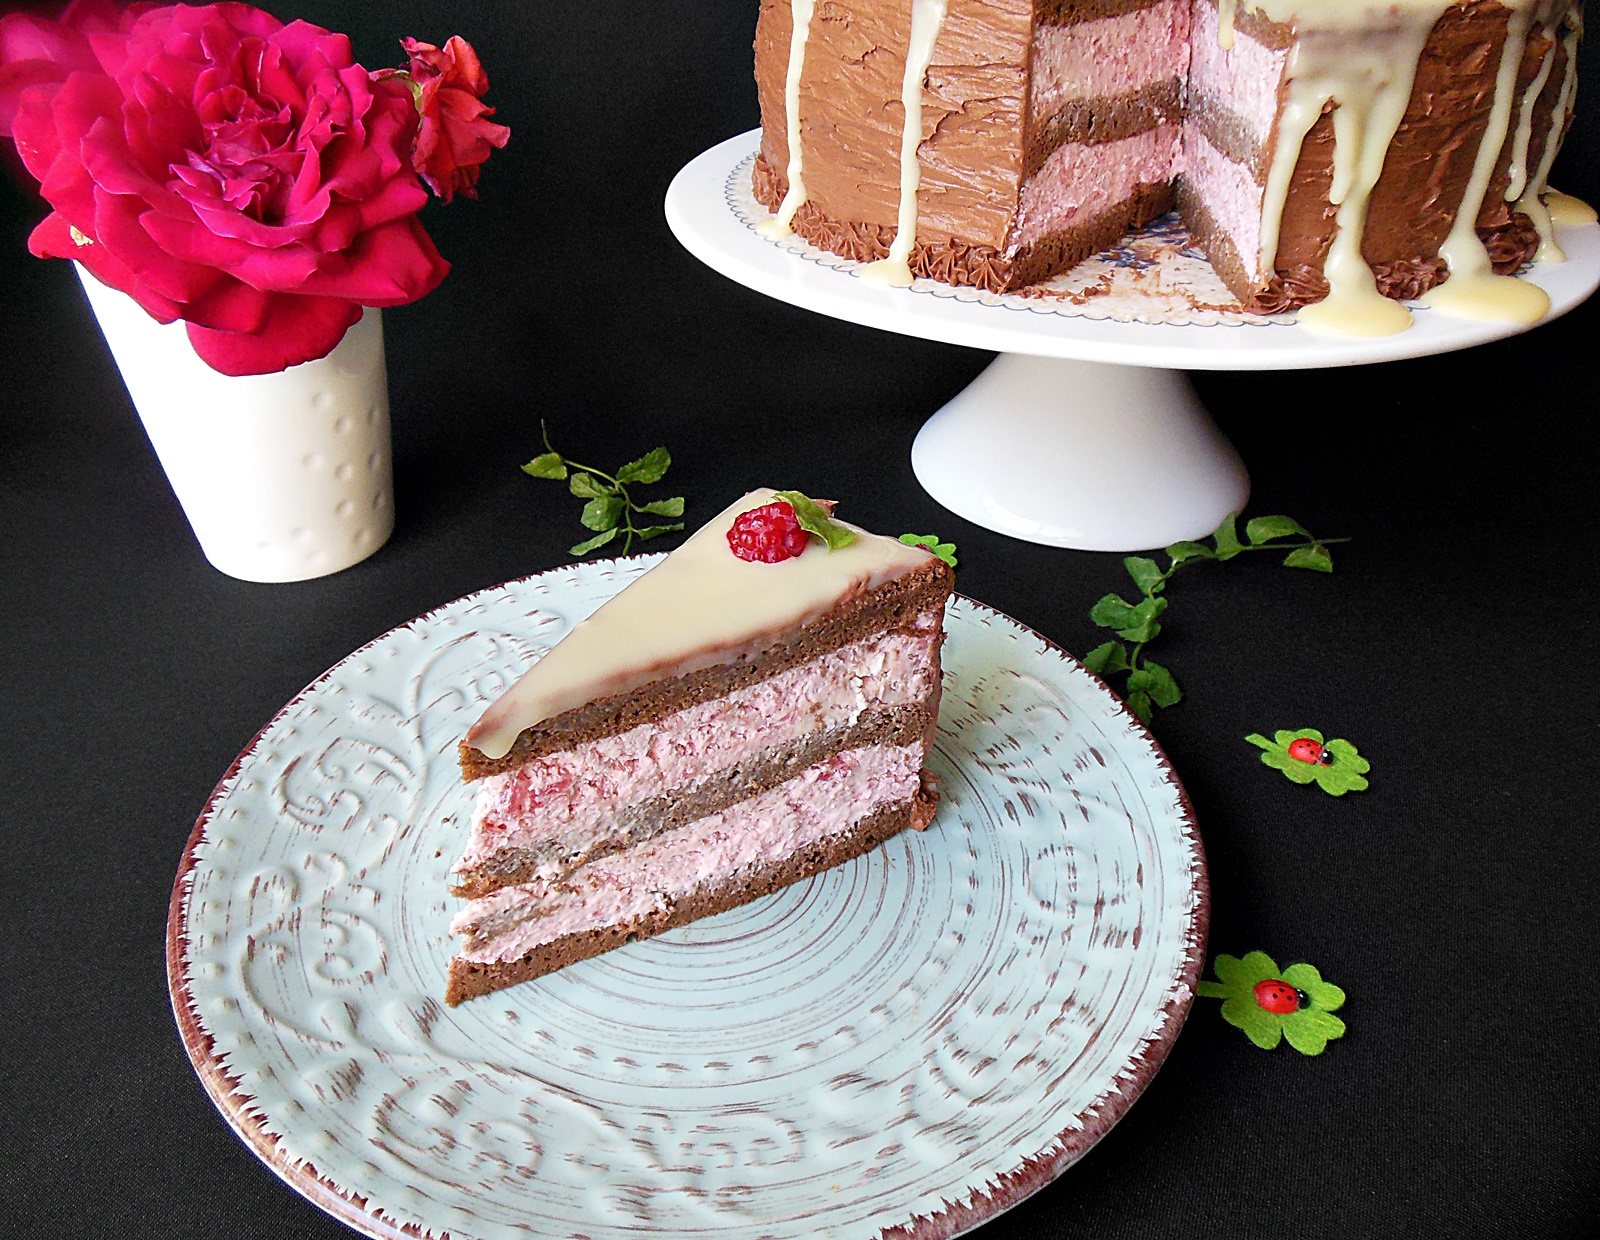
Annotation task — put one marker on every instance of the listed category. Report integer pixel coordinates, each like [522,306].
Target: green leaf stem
[609,508]
[1149,686]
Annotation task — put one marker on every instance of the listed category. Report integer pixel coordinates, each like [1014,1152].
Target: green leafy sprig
[609,508]
[945,551]
[1149,685]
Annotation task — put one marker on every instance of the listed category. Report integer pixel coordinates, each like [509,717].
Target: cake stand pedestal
[1084,432]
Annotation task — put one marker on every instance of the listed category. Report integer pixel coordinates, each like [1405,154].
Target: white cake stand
[1084,432]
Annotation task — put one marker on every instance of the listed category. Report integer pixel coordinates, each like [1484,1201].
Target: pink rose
[455,138]
[222,168]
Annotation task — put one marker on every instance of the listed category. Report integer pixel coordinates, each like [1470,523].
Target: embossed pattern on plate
[902,1046]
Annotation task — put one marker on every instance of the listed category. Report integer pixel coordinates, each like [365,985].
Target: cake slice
[720,728]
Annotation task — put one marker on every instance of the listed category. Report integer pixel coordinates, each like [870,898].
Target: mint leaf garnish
[610,509]
[1149,686]
[945,551]
[814,519]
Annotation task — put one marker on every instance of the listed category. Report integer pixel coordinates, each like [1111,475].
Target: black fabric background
[1455,901]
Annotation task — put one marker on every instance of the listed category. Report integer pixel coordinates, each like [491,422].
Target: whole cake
[1322,151]
[754,709]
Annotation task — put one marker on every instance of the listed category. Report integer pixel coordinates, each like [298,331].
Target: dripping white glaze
[782,224]
[1364,71]
[1537,202]
[927,18]
[1473,290]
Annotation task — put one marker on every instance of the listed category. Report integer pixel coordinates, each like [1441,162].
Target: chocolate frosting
[979,147]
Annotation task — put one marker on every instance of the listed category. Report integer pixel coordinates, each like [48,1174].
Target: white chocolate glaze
[700,607]
[782,224]
[1537,201]
[927,19]
[1347,59]
[1227,10]
[1473,290]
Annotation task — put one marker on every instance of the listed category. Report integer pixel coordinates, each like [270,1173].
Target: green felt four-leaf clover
[1308,1027]
[1344,769]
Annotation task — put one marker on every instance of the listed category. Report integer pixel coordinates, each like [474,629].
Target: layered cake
[1322,151]
[754,709]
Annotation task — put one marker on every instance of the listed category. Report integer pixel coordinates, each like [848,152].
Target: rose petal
[391,265]
[53,239]
[297,329]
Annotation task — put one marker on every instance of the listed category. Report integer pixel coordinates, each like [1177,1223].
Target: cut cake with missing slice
[719,729]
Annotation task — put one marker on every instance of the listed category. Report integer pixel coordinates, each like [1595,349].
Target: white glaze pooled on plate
[700,607]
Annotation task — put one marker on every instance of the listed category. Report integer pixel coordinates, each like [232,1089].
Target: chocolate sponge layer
[468,980]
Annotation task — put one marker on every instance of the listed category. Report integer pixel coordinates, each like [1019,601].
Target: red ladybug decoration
[1277,997]
[1307,750]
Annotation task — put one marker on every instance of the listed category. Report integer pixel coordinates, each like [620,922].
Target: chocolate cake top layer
[700,607]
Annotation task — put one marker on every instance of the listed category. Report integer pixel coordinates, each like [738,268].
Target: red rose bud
[455,137]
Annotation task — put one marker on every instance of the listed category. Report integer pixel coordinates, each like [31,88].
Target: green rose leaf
[945,551]
[651,531]
[1139,704]
[1107,660]
[546,465]
[814,519]
[1227,538]
[587,486]
[602,513]
[1163,688]
[647,468]
[663,507]
[593,544]
[1265,529]
[1146,573]
[1141,625]
[1314,557]
[1113,612]
[1183,552]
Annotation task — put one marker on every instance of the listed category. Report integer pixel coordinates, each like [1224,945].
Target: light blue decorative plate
[902,1046]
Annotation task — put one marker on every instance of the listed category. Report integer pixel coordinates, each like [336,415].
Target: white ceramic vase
[283,477]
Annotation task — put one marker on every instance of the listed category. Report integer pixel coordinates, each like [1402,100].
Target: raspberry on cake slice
[754,709]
